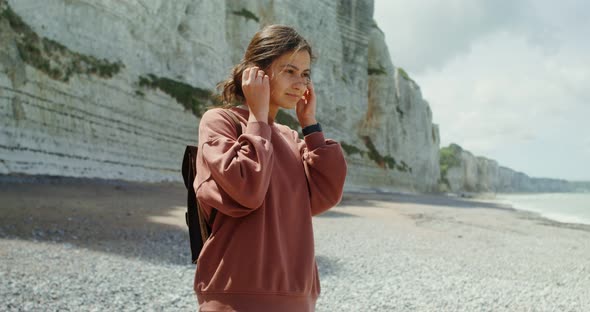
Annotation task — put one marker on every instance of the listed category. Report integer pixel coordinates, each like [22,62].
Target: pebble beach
[93,245]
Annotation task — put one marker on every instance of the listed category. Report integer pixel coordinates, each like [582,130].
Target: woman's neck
[272,113]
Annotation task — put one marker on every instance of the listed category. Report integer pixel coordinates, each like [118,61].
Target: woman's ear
[270,72]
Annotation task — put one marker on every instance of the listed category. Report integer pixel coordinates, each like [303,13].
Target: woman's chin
[289,105]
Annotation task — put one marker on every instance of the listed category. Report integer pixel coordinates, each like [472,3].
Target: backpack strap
[206,231]
[198,233]
[192,216]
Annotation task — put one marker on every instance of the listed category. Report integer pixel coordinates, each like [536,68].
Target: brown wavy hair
[268,44]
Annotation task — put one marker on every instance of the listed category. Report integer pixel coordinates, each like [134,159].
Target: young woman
[265,183]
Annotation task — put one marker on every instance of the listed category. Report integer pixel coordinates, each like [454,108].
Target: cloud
[507,80]
[427,34]
[506,95]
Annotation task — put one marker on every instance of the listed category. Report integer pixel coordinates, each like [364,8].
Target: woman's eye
[290,71]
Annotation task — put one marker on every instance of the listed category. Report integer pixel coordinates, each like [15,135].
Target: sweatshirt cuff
[261,129]
[314,140]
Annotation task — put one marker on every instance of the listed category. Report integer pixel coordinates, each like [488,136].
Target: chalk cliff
[461,171]
[115,89]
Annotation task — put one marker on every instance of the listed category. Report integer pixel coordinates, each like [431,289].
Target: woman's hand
[306,107]
[256,88]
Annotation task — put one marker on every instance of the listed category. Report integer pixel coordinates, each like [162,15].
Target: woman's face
[289,76]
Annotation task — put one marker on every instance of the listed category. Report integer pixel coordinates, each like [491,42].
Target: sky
[506,80]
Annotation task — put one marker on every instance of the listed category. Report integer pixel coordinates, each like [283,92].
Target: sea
[561,207]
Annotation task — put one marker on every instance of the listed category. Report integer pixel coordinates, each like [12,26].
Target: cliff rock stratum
[115,90]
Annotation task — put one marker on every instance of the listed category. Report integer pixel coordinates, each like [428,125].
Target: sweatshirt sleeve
[325,168]
[233,173]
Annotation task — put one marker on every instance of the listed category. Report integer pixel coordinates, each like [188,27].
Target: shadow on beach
[136,220]
[370,199]
[143,221]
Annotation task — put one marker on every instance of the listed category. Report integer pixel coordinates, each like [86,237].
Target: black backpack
[199,228]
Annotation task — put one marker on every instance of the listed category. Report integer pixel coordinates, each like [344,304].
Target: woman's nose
[299,85]
[300,82]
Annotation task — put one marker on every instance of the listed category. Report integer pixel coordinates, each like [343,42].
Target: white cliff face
[398,122]
[479,174]
[94,88]
[147,36]
[473,174]
[487,172]
[92,126]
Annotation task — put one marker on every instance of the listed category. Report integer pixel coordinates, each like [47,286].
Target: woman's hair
[267,45]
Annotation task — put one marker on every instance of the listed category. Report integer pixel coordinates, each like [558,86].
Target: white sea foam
[562,207]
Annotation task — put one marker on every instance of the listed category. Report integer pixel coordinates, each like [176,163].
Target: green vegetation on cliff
[449,157]
[399,111]
[373,154]
[51,57]
[405,75]
[288,120]
[351,149]
[433,135]
[249,15]
[385,162]
[376,71]
[194,99]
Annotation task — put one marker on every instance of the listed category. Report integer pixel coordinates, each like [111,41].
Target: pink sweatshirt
[266,184]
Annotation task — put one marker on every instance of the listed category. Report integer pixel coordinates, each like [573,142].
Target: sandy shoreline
[150,207]
[453,201]
[409,252]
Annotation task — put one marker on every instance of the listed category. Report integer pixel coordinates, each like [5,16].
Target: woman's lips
[293,95]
